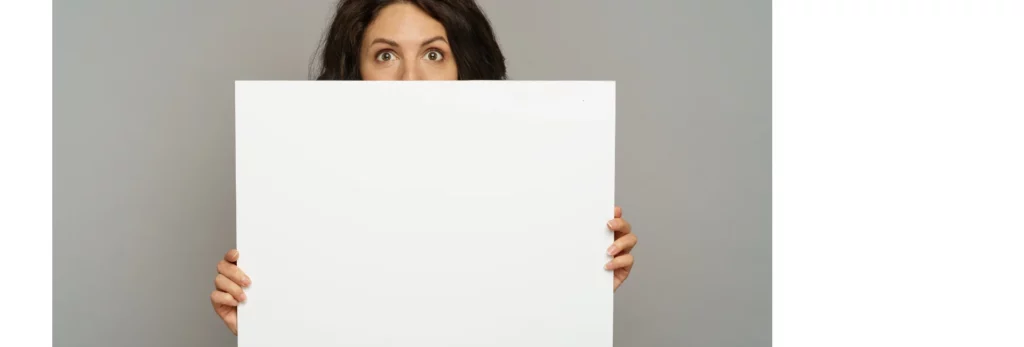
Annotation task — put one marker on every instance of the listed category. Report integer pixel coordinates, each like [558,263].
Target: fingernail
[608,266]
[244,297]
[612,250]
[610,225]
[246,280]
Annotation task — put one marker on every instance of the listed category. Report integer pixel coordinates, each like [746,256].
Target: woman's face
[404,43]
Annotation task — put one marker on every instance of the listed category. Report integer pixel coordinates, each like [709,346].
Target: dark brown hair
[476,52]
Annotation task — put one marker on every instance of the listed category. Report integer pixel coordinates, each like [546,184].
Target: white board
[425,214]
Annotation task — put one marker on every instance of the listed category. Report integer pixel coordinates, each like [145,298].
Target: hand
[229,282]
[622,262]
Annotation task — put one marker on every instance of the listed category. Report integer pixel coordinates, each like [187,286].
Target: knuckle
[228,270]
[218,297]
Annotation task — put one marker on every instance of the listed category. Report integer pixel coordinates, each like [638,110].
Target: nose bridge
[411,70]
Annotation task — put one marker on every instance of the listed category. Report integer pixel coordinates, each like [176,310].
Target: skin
[403,43]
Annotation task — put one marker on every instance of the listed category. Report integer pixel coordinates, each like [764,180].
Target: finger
[618,212]
[231,256]
[234,273]
[620,276]
[624,243]
[619,262]
[620,225]
[226,285]
[222,298]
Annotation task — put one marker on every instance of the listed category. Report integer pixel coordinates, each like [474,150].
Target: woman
[407,40]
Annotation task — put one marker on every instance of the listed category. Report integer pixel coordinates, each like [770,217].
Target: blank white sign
[425,214]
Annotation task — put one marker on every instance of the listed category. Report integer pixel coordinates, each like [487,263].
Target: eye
[434,55]
[386,56]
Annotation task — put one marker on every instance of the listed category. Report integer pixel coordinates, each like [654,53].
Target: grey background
[143,154]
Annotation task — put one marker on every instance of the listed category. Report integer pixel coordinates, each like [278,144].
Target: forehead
[404,22]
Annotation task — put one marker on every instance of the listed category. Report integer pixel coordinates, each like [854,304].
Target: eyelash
[379,55]
[440,55]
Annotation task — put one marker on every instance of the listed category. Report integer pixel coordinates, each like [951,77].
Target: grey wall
[143,157]
[143,162]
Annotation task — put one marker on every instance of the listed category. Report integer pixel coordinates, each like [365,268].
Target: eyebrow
[385,41]
[395,44]
[432,39]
